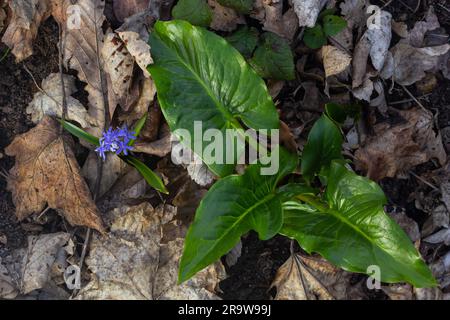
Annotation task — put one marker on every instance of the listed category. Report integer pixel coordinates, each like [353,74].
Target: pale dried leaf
[416,36]
[335,60]
[50,102]
[118,63]
[380,39]
[47,173]
[442,236]
[131,262]
[308,11]
[134,34]
[410,63]
[8,288]
[26,17]
[398,148]
[224,19]
[354,12]
[309,278]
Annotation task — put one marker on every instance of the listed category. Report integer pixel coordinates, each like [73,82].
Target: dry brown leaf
[134,34]
[410,63]
[224,19]
[335,60]
[160,148]
[416,36]
[396,149]
[47,173]
[118,63]
[8,288]
[270,14]
[132,263]
[26,17]
[2,16]
[309,278]
[126,8]
[50,101]
[354,12]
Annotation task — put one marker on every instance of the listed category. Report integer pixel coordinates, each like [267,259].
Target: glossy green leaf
[199,76]
[242,6]
[79,133]
[138,127]
[196,12]
[244,40]
[273,58]
[332,25]
[315,37]
[324,145]
[353,232]
[231,208]
[151,177]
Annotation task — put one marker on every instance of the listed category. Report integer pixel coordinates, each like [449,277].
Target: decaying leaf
[2,21]
[197,169]
[308,11]
[224,19]
[410,63]
[132,263]
[396,149]
[8,288]
[126,8]
[309,278]
[274,19]
[46,172]
[354,12]
[134,34]
[118,63]
[36,261]
[50,101]
[27,15]
[334,60]
[159,148]
[416,36]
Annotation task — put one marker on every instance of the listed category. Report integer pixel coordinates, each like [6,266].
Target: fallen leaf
[354,12]
[131,262]
[159,148]
[8,288]
[308,11]
[380,39]
[438,218]
[410,226]
[50,101]
[397,148]
[46,172]
[224,19]
[416,36]
[309,278]
[334,60]
[134,34]
[126,8]
[38,258]
[26,17]
[410,63]
[2,19]
[442,236]
[118,63]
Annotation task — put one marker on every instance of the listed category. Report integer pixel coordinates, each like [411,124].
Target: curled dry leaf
[126,8]
[33,265]
[334,60]
[309,278]
[396,149]
[160,148]
[224,19]
[46,172]
[26,17]
[380,40]
[132,263]
[50,101]
[134,34]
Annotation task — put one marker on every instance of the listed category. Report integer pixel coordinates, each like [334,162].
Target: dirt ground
[251,277]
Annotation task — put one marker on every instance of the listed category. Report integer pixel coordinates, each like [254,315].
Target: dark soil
[16,92]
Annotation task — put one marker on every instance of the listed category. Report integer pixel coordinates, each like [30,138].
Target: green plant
[328,25]
[328,209]
[149,176]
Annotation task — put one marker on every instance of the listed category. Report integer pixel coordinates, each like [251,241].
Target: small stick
[424,181]
[414,98]
[61,74]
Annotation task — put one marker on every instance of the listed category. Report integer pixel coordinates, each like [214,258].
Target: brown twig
[61,74]
[424,181]
[414,98]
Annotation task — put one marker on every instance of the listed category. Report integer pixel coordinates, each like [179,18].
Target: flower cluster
[115,140]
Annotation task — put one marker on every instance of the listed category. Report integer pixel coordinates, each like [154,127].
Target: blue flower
[115,140]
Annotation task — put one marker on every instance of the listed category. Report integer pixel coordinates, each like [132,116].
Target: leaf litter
[137,257]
